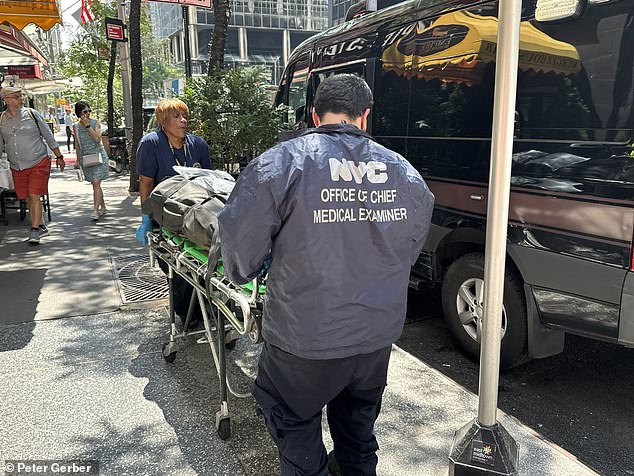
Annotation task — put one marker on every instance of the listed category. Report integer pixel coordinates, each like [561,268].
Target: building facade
[261,32]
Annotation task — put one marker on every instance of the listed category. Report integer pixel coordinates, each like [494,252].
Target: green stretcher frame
[201,254]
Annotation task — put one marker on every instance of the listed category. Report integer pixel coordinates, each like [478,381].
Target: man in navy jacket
[343,219]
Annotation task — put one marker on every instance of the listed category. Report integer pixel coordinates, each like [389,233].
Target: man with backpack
[24,136]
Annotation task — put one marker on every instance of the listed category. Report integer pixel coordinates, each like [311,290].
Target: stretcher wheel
[168,354]
[255,334]
[224,429]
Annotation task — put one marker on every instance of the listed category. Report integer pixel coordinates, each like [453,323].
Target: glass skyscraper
[261,32]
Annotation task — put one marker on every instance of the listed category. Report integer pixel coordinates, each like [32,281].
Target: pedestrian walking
[24,135]
[340,220]
[157,154]
[68,122]
[91,156]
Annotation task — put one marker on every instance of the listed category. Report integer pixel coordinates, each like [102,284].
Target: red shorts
[33,181]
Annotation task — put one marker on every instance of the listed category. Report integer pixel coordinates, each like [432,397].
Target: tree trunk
[136,89]
[222,12]
[111,67]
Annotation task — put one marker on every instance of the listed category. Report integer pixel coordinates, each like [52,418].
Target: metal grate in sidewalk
[137,281]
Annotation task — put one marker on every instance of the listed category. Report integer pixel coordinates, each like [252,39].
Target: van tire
[467,271]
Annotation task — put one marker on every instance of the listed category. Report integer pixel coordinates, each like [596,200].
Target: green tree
[233,113]
[82,60]
[102,79]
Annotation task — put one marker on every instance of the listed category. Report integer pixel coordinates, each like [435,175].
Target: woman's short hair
[167,106]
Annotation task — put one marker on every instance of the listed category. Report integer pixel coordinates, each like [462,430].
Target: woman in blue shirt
[157,154]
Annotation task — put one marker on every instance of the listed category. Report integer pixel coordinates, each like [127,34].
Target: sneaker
[44,231]
[34,235]
[94,215]
[102,212]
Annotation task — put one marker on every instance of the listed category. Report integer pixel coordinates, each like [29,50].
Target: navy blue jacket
[344,218]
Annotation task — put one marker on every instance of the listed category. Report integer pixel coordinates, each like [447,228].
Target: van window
[293,92]
[437,114]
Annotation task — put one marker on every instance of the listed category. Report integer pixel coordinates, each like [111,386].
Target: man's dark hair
[343,94]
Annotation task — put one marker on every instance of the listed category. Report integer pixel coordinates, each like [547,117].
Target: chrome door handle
[477,197]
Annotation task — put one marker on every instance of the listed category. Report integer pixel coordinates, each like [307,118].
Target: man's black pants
[69,136]
[292,392]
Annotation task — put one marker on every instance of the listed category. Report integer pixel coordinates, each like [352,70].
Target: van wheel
[462,296]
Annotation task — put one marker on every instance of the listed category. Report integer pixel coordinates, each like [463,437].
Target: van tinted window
[434,88]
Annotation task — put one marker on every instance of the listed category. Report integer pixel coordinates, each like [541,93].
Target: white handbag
[90,160]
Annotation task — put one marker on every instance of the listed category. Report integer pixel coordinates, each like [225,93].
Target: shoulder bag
[89,160]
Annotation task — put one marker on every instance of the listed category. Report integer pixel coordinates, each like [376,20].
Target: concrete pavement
[83,375]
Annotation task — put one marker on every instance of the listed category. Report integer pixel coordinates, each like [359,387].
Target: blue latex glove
[146,225]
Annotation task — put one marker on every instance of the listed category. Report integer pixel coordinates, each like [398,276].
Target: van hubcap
[469,305]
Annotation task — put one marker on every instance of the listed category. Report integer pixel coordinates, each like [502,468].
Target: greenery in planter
[233,113]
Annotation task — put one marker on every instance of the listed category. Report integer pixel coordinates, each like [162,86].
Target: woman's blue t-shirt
[155,157]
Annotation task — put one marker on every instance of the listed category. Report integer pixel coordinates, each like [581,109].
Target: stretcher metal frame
[228,310]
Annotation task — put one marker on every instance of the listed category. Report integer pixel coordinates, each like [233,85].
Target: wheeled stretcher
[228,310]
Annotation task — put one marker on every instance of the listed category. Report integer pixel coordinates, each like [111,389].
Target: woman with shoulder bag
[91,155]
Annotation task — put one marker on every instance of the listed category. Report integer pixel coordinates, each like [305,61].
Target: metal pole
[497,211]
[186,49]
[483,446]
[124,57]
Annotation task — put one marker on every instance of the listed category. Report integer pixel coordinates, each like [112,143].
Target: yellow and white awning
[455,47]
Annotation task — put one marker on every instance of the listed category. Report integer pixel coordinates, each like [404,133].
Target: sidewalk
[84,378]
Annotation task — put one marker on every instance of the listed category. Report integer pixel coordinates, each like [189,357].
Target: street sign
[115,30]
[193,3]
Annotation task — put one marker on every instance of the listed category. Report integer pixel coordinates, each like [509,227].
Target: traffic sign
[115,29]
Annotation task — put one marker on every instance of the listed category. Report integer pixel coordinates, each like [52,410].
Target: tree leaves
[232,111]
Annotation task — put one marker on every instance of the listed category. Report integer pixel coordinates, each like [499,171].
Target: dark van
[431,66]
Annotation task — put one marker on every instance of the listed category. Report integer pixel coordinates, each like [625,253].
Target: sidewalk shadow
[187,392]
[19,296]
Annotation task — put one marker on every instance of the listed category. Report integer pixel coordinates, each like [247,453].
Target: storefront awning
[458,44]
[17,49]
[19,13]
[43,86]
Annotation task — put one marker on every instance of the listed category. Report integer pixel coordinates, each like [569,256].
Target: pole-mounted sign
[115,30]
